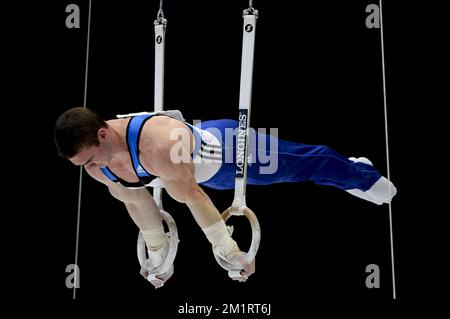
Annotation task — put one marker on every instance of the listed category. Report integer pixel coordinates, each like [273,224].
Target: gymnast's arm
[139,202]
[146,215]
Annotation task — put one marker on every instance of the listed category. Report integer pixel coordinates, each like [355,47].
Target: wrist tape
[220,239]
[155,238]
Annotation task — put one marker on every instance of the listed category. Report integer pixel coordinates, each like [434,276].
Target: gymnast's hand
[160,279]
[239,258]
[155,259]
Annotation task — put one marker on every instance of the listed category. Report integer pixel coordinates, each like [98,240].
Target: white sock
[361,160]
[382,191]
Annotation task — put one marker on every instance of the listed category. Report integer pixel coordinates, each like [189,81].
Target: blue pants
[296,163]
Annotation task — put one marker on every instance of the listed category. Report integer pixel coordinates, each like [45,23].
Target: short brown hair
[75,129]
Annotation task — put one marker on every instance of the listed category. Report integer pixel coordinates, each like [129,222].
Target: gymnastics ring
[233,270]
[172,236]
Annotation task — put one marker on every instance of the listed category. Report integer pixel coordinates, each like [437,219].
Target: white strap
[176,114]
[245,96]
[159,66]
[248,48]
[238,206]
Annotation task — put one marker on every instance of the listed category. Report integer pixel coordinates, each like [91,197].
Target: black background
[317,78]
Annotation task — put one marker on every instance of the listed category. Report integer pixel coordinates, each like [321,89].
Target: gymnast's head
[81,136]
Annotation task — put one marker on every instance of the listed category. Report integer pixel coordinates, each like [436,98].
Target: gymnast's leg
[297,162]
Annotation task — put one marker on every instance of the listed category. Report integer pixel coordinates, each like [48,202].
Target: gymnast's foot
[382,191]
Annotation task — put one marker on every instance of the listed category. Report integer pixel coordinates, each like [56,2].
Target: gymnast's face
[94,156]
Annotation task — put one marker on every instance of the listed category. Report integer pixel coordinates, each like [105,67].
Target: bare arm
[139,203]
[182,186]
[146,215]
